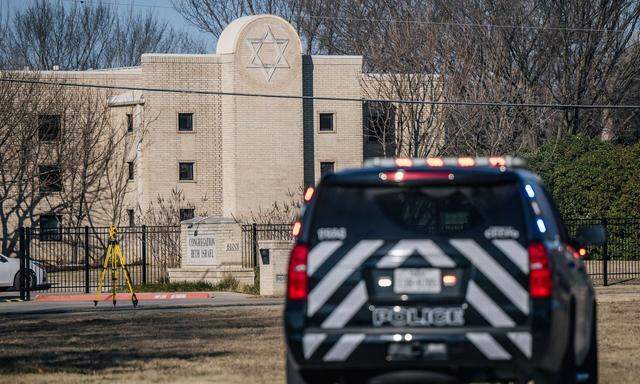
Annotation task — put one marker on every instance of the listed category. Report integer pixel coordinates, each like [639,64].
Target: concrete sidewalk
[142,296]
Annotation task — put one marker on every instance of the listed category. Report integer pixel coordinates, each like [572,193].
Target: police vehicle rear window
[389,212]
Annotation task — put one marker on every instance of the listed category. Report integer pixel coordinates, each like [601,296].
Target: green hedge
[589,178]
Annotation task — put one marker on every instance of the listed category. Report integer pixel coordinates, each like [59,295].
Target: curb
[142,296]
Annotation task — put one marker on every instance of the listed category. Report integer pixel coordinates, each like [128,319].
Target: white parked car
[10,274]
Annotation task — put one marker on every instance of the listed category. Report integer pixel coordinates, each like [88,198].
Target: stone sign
[201,249]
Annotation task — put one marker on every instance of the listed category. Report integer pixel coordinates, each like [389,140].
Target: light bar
[462,161]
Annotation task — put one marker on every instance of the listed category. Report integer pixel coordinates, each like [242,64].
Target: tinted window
[50,228]
[50,180]
[186,214]
[131,216]
[129,122]
[131,170]
[326,122]
[380,124]
[397,212]
[186,171]
[549,226]
[185,122]
[326,167]
[49,127]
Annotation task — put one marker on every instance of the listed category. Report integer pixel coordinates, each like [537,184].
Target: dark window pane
[129,122]
[131,217]
[50,228]
[380,124]
[50,180]
[185,122]
[49,127]
[186,171]
[464,211]
[326,122]
[326,167]
[186,214]
[132,170]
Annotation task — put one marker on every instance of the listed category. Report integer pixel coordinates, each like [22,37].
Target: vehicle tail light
[413,175]
[297,278]
[466,161]
[296,228]
[403,162]
[496,161]
[540,279]
[435,162]
[308,194]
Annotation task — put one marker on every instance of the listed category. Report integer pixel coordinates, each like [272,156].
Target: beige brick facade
[248,152]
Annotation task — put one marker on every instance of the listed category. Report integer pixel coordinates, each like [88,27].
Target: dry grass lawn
[223,345]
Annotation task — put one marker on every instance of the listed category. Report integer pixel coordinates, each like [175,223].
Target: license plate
[417,280]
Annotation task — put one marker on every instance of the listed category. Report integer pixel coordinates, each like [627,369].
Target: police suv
[438,270]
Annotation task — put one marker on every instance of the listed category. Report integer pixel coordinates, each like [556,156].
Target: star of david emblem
[268,66]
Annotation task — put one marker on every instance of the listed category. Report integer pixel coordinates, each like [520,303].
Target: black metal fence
[72,256]
[618,260]
[253,233]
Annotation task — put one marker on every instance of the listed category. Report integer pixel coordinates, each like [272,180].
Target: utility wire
[394,21]
[328,98]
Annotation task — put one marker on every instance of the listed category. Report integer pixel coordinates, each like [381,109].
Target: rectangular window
[129,122]
[50,180]
[380,124]
[185,171]
[131,170]
[461,211]
[50,227]
[326,122]
[326,168]
[186,214]
[185,122]
[131,217]
[49,127]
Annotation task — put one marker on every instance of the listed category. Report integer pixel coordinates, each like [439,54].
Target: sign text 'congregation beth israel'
[231,154]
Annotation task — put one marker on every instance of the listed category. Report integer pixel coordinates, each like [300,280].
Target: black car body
[437,270]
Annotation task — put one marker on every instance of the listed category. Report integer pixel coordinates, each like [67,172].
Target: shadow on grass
[126,341]
[90,361]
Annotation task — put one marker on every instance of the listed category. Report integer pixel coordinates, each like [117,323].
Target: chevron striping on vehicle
[339,273]
[522,340]
[311,342]
[488,346]
[343,348]
[487,307]
[494,272]
[514,251]
[426,248]
[320,253]
[347,308]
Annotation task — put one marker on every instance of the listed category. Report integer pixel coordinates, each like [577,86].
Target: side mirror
[591,235]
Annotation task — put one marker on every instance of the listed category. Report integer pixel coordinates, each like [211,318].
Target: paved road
[9,307]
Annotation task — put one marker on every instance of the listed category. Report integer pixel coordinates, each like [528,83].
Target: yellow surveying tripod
[112,257]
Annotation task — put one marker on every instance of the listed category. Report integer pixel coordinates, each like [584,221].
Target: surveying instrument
[113,259]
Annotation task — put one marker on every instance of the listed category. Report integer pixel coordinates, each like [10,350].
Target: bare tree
[53,153]
[84,36]
[165,211]
[280,212]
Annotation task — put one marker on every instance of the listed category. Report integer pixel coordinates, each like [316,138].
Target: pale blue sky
[162,8]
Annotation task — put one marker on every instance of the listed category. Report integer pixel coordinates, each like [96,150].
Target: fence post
[23,263]
[605,255]
[86,260]
[254,245]
[144,254]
